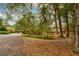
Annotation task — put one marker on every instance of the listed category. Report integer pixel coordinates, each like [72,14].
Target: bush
[4,32]
[76,50]
[10,29]
[2,29]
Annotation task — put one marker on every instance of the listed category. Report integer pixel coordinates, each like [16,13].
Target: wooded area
[48,21]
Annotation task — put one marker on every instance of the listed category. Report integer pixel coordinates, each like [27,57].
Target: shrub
[2,29]
[10,29]
[76,50]
[4,32]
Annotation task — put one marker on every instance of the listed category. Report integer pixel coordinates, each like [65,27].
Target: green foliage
[4,32]
[2,29]
[76,50]
[40,22]
[27,24]
[45,21]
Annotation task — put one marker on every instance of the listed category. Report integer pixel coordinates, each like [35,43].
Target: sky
[34,10]
[3,9]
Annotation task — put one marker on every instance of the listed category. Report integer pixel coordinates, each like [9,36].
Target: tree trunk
[76,38]
[67,23]
[73,27]
[58,15]
[55,19]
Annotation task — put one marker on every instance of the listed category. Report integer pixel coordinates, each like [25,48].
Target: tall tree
[45,19]
[59,19]
[55,16]
[65,12]
[76,38]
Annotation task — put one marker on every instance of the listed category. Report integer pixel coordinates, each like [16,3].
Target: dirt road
[14,45]
[10,44]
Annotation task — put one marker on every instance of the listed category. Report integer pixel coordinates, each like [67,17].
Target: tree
[55,18]
[65,12]
[45,20]
[76,38]
[59,19]
[2,27]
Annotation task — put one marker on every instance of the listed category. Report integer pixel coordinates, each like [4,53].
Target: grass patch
[50,37]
